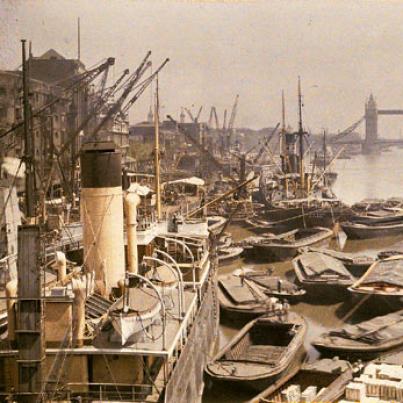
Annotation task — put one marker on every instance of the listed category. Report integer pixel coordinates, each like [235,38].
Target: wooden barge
[263,351]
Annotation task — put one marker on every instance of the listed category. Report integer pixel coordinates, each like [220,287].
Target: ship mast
[157,153]
[282,134]
[324,157]
[301,137]
[78,40]
[28,141]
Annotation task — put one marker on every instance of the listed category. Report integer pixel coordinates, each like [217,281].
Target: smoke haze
[342,50]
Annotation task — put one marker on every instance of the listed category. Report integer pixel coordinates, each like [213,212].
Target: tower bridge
[370,117]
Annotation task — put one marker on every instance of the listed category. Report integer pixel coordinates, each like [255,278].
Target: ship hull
[297,217]
[186,383]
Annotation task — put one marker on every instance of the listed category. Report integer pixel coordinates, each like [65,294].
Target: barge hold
[366,339]
[321,381]
[322,274]
[356,264]
[372,230]
[286,246]
[263,351]
[242,300]
[275,286]
[383,279]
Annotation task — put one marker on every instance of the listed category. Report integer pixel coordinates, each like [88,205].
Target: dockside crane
[190,114]
[198,114]
[265,144]
[99,104]
[74,84]
[239,183]
[119,107]
[141,88]
[116,106]
[347,131]
[97,108]
[199,146]
[217,124]
[231,122]
[131,84]
[111,90]
[210,119]
[103,81]
[213,115]
[81,80]
[244,161]
[228,130]
[234,111]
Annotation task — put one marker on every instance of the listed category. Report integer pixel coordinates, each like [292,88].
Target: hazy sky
[342,50]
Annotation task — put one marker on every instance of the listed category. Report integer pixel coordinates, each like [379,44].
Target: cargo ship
[135,319]
[295,194]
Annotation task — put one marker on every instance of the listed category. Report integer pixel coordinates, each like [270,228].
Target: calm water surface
[363,176]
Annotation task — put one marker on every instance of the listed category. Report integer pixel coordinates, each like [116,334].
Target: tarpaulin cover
[387,272]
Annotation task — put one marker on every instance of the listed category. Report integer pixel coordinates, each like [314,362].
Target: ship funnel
[102,214]
[131,202]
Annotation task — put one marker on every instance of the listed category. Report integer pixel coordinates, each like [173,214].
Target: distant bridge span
[371,127]
[390,111]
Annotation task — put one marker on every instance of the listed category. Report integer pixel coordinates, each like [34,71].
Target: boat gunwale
[362,347]
[299,292]
[291,350]
[252,308]
[320,236]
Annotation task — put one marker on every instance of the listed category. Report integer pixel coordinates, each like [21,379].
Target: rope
[64,226]
[253,291]
[303,215]
[299,216]
[148,375]
[59,373]
[350,313]
[93,232]
[150,336]
[112,376]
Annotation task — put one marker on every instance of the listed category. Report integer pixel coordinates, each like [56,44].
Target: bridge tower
[371,124]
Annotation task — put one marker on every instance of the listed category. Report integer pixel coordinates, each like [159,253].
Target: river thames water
[363,176]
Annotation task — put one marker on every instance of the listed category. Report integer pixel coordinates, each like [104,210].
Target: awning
[139,189]
[186,181]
